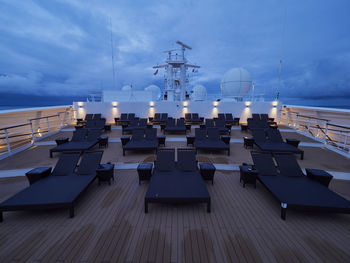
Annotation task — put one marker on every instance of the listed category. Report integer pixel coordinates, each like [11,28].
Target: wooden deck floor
[110,226]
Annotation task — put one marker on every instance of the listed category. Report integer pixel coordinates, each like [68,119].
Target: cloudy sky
[54,48]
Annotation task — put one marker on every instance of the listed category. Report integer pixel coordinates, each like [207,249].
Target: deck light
[215,103]
[151,104]
[185,104]
[248,103]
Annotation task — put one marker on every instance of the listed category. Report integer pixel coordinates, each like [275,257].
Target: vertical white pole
[325,133]
[296,121]
[308,126]
[31,129]
[48,124]
[59,120]
[287,119]
[7,141]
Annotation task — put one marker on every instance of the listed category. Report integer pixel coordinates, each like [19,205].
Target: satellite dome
[156,92]
[126,88]
[199,92]
[235,83]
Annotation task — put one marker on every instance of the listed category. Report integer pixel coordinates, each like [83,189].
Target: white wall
[175,109]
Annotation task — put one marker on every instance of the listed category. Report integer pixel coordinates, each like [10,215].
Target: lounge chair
[223,129]
[59,190]
[211,142]
[221,116]
[272,146]
[123,119]
[128,128]
[176,183]
[294,190]
[141,142]
[79,145]
[256,117]
[230,120]
[97,116]
[179,127]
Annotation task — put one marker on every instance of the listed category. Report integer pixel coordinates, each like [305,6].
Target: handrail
[51,116]
[310,117]
[339,126]
[15,126]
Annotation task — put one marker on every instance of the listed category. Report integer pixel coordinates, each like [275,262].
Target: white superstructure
[176,78]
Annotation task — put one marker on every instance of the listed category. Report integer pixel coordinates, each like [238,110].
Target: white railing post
[308,126]
[296,121]
[32,131]
[7,141]
[346,141]
[48,124]
[287,118]
[325,133]
[59,120]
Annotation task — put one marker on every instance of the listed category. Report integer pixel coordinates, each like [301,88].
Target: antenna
[112,47]
[183,45]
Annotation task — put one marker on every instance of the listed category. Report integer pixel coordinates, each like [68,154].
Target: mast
[176,78]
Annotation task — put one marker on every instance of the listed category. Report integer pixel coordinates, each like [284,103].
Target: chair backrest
[274,135]
[229,116]
[90,124]
[180,122]
[195,116]
[186,159]
[200,134]
[133,123]
[264,116]
[79,135]
[264,163]
[142,122]
[93,135]
[165,160]
[259,135]
[213,134]
[156,117]
[123,116]
[221,116]
[89,162]
[66,163]
[256,116]
[209,123]
[151,134]
[100,123]
[164,117]
[138,134]
[88,116]
[288,165]
[188,116]
[170,122]
[131,116]
[219,123]
[97,116]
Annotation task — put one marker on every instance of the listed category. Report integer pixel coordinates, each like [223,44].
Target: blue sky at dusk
[63,48]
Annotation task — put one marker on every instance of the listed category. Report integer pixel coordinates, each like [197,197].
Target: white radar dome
[235,83]
[156,92]
[126,88]
[199,92]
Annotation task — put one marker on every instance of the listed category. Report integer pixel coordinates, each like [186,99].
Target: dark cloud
[64,47]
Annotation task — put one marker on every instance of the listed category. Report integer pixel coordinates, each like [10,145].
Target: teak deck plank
[110,225]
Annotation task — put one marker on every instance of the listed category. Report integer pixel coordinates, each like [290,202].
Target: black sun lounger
[59,190]
[176,183]
[294,190]
[179,127]
[274,145]
[212,142]
[140,142]
[79,145]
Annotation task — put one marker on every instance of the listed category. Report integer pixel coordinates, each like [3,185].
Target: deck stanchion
[59,121]
[287,118]
[308,126]
[48,124]
[296,121]
[32,131]
[325,133]
[7,141]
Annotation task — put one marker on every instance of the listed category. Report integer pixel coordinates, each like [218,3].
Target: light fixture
[114,106]
[80,106]
[247,103]
[215,103]
[151,104]
[275,103]
[185,104]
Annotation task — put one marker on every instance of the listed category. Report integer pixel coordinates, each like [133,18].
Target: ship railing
[20,137]
[334,136]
